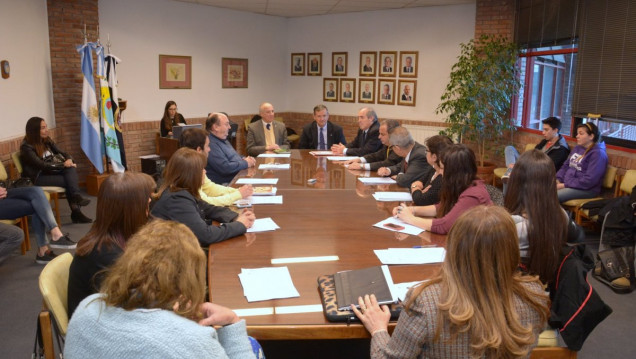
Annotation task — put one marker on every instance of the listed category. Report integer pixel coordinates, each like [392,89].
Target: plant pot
[485,172]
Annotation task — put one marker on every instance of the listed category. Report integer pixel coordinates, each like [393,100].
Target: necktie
[321,141]
[406,166]
[269,135]
[364,136]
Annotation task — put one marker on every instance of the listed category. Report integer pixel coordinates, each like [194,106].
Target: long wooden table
[334,216]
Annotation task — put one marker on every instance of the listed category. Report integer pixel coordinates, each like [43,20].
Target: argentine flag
[110,136]
[90,138]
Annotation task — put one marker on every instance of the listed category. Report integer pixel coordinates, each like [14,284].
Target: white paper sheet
[275,155]
[321,153]
[408,229]
[267,283]
[265,199]
[264,191]
[411,255]
[376,180]
[402,288]
[393,196]
[263,225]
[274,166]
[257,181]
[341,158]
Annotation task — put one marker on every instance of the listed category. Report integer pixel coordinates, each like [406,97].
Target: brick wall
[495,17]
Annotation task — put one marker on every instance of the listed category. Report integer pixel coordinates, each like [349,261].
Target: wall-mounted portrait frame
[368,63]
[408,63]
[339,63]
[386,92]
[330,89]
[314,64]
[298,64]
[406,92]
[175,72]
[366,90]
[234,73]
[387,63]
[347,90]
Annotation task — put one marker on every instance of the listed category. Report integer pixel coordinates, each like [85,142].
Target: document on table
[266,199]
[408,229]
[257,181]
[274,166]
[275,155]
[393,196]
[411,255]
[267,283]
[264,191]
[263,225]
[341,158]
[376,180]
[321,153]
[402,288]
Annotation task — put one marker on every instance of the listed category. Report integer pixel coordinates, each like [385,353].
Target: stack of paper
[411,255]
[397,225]
[274,166]
[275,155]
[263,225]
[321,153]
[393,196]
[376,180]
[265,199]
[257,181]
[267,283]
[341,158]
[402,288]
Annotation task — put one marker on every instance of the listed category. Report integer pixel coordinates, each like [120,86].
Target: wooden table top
[335,216]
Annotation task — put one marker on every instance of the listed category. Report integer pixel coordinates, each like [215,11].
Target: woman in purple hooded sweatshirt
[582,174]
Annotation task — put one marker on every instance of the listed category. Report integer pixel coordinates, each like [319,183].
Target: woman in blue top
[582,173]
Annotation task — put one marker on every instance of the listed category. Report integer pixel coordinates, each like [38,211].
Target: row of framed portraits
[372,63]
[386,92]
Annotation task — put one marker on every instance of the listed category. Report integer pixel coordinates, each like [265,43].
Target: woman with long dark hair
[426,191]
[170,118]
[46,165]
[461,190]
[478,306]
[122,208]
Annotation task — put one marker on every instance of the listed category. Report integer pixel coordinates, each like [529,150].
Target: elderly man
[408,67]
[266,134]
[367,140]
[367,91]
[321,134]
[223,161]
[384,157]
[406,96]
[414,163]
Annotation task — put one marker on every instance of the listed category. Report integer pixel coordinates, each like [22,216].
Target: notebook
[356,283]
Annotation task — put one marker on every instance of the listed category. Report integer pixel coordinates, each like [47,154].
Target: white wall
[24,42]
[435,32]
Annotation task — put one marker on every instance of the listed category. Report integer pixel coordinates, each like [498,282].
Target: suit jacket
[387,69]
[366,95]
[346,94]
[339,68]
[417,165]
[381,159]
[331,93]
[367,68]
[386,96]
[371,144]
[309,137]
[256,137]
[407,69]
[406,98]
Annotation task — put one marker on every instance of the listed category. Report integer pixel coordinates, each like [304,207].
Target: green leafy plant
[478,96]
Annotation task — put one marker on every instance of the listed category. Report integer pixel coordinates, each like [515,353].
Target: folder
[356,283]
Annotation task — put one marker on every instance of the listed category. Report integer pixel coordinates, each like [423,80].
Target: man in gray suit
[414,162]
[266,134]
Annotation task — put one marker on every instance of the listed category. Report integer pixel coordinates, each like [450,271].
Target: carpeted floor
[20,302]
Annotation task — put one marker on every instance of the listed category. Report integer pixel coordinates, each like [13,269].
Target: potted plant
[478,96]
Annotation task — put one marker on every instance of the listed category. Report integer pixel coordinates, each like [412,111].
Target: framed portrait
[387,63]
[368,63]
[338,64]
[408,63]
[406,92]
[386,92]
[315,64]
[175,72]
[234,73]
[330,89]
[348,90]
[298,64]
[366,90]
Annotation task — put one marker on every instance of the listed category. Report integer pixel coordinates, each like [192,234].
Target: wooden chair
[625,188]
[574,205]
[53,283]
[22,222]
[500,171]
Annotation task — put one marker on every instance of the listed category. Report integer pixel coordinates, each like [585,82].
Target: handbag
[18,183]
[615,262]
[55,163]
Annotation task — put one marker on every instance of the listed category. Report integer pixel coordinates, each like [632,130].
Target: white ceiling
[299,8]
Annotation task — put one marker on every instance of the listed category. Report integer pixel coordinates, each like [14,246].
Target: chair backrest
[247,123]
[610,177]
[3,172]
[629,181]
[15,156]
[54,288]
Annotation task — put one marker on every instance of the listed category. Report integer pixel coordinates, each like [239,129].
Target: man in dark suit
[347,92]
[414,162]
[367,140]
[408,68]
[321,134]
[298,67]
[367,91]
[266,134]
[384,157]
[406,96]
[331,92]
[387,65]
[367,65]
[386,92]
[339,65]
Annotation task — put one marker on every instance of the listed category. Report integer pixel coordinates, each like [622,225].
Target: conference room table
[332,217]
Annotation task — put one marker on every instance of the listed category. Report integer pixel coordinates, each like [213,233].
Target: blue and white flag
[111,76]
[90,138]
[110,135]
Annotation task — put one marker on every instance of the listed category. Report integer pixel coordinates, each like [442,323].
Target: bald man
[266,134]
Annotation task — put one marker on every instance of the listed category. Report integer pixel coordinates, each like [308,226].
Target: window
[547,77]
[614,132]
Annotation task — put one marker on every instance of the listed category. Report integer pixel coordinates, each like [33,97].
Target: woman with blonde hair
[479,305]
[152,305]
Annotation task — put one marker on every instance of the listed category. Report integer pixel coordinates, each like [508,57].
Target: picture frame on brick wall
[175,72]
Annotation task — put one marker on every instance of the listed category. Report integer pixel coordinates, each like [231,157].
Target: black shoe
[80,201]
[63,242]
[44,259]
[78,217]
